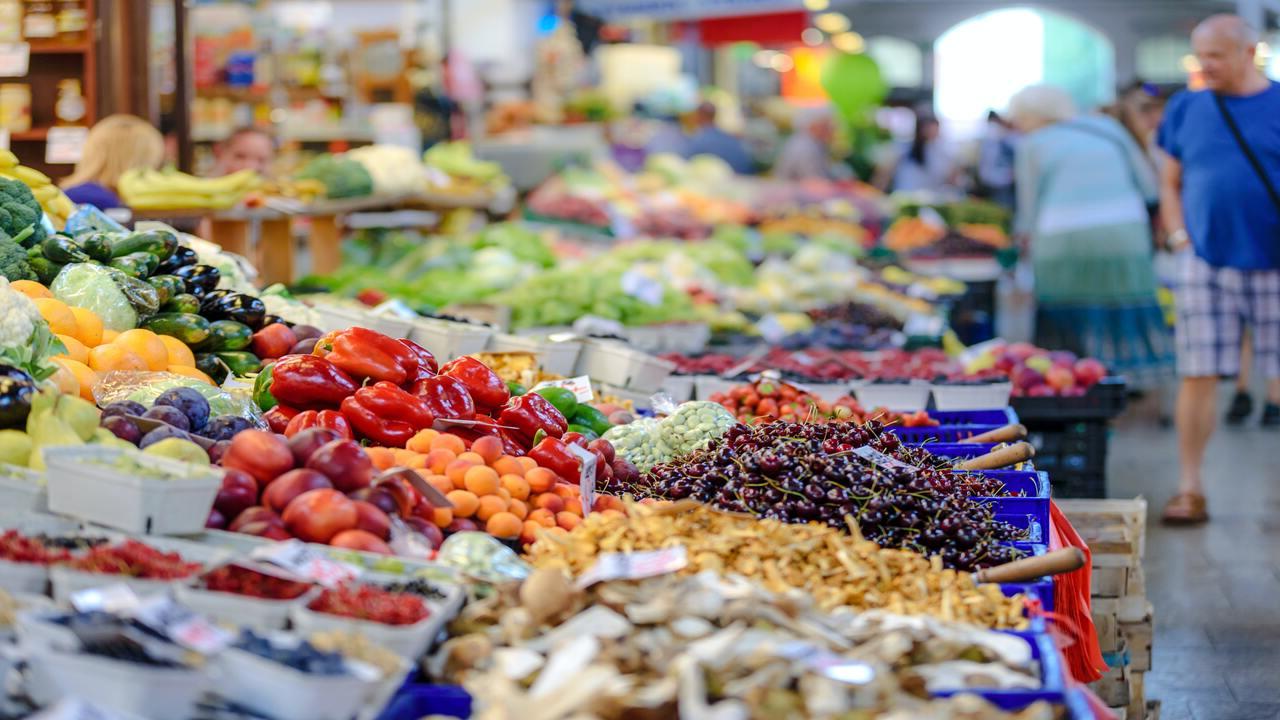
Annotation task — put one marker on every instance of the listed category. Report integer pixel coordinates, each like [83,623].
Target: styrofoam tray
[679,387]
[971,397]
[616,364]
[558,358]
[829,392]
[283,693]
[899,397]
[144,691]
[407,641]
[24,577]
[22,489]
[66,582]
[447,340]
[341,317]
[239,610]
[686,338]
[84,485]
[704,386]
[647,338]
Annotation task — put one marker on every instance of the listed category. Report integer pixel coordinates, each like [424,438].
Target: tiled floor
[1215,589]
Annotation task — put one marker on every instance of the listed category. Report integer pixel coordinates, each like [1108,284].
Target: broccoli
[20,210]
[342,177]
[13,260]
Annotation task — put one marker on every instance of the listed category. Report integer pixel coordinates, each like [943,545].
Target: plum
[170,415]
[123,407]
[122,427]
[225,427]
[189,402]
[161,433]
[218,450]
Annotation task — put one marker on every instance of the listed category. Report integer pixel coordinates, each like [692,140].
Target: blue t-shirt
[714,141]
[1230,218]
[91,193]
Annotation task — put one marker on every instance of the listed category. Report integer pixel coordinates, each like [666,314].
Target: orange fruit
[516,485]
[438,460]
[456,471]
[59,316]
[528,463]
[188,371]
[441,483]
[465,504]
[75,349]
[550,502]
[442,517]
[518,508]
[106,358]
[573,507]
[471,457]
[85,377]
[490,505]
[543,517]
[540,479]
[503,525]
[179,353]
[63,379]
[90,326]
[508,465]
[529,533]
[445,441]
[146,345]
[481,480]
[31,289]
[613,513]
[421,442]
[567,520]
[489,448]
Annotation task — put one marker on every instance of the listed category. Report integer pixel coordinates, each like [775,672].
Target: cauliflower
[25,340]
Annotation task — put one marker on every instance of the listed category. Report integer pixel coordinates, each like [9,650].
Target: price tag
[642,287]
[15,59]
[65,145]
[586,477]
[181,625]
[921,325]
[867,452]
[115,598]
[580,387]
[634,566]
[305,562]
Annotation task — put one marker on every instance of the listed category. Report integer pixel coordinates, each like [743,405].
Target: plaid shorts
[1214,306]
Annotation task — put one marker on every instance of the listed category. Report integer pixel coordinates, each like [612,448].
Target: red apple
[305,443]
[267,530]
[360,540]
[264,455]
[254,514]
[1089,371]
[405,494]
[290,485]
[372,519]
[345,463]
[462,525]
[1027,378]
[1040,390]
[318,515]
[238,493]
[1059,378]
[378,497]
[216,520]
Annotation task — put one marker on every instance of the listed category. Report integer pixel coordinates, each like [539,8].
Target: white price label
[642,287]
[770,328]
[15,59]
[586,476]
[115,598]
[305,562]
[867,452]
[634,566]
[580,387]
[182,626]
[65,145]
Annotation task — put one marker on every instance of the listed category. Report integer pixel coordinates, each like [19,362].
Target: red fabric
[782,28]
[1071,603]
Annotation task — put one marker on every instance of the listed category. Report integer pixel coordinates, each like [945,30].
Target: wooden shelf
[53,47]
[34,134]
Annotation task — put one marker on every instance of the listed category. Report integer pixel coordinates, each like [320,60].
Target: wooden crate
[1128,609]
[1137,693]
[1137,638]
[1108,630]
[1098,520]
[1113,687]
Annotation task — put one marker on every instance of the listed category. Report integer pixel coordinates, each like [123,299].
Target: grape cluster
[799,472]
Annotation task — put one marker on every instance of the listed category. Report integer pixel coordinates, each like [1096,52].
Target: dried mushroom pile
[704,647]
[836,569]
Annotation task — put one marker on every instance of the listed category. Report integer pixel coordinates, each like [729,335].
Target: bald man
[1219,200]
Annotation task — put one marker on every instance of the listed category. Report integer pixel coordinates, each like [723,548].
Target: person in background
[1220,199]
[807,153]
[246,148]
[1083,186]
[923,165]
[117,143]
[995,161]
[1139,108]
[709,139]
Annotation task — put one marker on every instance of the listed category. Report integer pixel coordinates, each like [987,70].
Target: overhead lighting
[816,5]
[848,42]
[764,58]
[1190,63]
[831,23]
[782,63]
[811,37]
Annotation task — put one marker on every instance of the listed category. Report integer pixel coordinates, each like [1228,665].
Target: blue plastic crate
[416,700]
[1053,682]
[956,425]
[964,451]
[1042,588]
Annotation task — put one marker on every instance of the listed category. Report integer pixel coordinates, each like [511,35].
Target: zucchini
[182,303]
[96,245]
[169,287]
[227,335]
[62,249]
[158,243]
[240,362]
[213,366]
[187,327]
[139,264]
[44,269]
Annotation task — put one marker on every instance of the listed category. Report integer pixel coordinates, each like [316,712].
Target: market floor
[1215,589]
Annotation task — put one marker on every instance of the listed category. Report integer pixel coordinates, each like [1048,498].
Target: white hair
[1042,102]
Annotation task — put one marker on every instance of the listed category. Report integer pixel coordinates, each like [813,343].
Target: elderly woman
[1083,188]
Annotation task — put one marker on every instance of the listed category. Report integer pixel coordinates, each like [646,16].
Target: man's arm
[1171,203]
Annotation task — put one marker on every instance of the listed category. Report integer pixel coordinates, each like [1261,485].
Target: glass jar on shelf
[10,21]
[69,108]
[72,21]
[39,21]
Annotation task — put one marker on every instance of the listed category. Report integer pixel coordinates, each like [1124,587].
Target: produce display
[252,583]
[368,602]
[952,229]
[769,400]
[649,442]
[21,188]
[134,559]
[172,190]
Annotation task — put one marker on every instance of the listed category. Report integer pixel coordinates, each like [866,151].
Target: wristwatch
[1178,239]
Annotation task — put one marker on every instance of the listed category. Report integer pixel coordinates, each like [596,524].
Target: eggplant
[16,390]
[209,299]
[273,320]
[183,256]
[242,308]
[200,279]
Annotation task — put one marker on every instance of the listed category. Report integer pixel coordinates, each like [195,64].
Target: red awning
[781,28]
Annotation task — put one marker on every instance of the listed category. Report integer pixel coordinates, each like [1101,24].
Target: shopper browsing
[116,144]
[1220,199]
[247,148]
[807,153]
[709,139]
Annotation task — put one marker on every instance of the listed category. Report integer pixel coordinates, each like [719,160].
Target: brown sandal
[1185,509]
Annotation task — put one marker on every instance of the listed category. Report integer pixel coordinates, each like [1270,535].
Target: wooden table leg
[277,251]
[325,243]
[231,235]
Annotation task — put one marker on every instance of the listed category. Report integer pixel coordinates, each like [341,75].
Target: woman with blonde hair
[1083,190]
[117,143]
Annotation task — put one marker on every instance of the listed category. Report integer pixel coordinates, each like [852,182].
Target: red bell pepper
[530,413]
[446,397]
[279,417]
[556,456]
[386,414]
[307,382]
[426,361]
[511,444]
[574,438]
[488,391]
[367,354]
[308,419]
